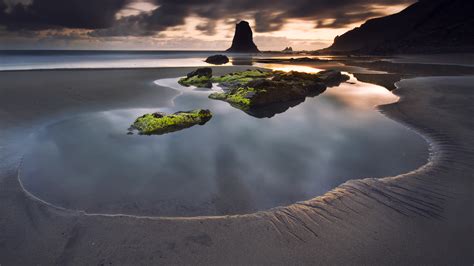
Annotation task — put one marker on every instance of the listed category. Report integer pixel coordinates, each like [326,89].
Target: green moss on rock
[241,78]
[200,78]
[197,81]
[256,88]
[161,123]
[241,97]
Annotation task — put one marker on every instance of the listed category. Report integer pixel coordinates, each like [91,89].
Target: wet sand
[422,217]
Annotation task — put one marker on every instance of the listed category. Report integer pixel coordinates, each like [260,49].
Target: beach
[421,217]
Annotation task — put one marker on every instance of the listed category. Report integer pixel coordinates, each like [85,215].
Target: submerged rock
[200,78]
[162,123]
[217,59]
[243,39]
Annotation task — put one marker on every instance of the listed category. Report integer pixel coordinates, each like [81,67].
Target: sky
[181,24]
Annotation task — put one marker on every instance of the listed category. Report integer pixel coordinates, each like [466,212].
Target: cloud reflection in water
[235,163]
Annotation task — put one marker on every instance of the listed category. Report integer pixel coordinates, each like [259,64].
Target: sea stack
[243,39]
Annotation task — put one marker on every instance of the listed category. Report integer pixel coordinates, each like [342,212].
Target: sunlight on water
[362,95]
[354,93]
[288,68]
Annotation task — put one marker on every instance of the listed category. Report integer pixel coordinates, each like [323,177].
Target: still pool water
[236,163]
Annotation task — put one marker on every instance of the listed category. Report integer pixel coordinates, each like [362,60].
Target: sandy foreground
[422,217]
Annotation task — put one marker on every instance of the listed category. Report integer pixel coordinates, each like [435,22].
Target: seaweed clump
[161,123]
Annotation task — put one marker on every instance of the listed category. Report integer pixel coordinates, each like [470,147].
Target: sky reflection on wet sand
[234,164]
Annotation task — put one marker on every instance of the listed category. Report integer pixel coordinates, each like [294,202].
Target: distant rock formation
[288,50]
[243,39]
[290,60]
[428,26]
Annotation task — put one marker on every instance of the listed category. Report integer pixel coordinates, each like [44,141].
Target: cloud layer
[100,16]
[48,14]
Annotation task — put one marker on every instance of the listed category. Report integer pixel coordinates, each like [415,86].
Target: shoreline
[338,227]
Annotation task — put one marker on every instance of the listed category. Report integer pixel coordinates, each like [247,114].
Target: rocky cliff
[428,26]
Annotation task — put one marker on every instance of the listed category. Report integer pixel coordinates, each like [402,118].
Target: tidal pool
[234,164]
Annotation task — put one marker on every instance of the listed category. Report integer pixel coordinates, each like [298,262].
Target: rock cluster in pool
[255,91]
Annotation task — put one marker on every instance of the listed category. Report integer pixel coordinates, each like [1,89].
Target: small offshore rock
[217,59]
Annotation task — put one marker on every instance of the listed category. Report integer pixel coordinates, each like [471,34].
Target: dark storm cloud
[348,19]
[268,15]
[268,21]
[45,14]
[208,28]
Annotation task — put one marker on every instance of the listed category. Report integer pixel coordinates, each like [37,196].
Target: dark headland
[243,39]
[428,26]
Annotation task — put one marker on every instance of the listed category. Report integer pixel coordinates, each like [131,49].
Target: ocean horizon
[77,59]
[94,59]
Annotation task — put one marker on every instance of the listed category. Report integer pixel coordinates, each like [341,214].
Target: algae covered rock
[204,71]
[263,93]
[200,78]
[240,97]
[327,77]
[240,78]
[217,59]
[161,123]
[246,91]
